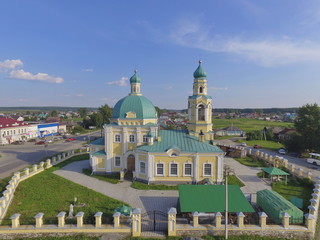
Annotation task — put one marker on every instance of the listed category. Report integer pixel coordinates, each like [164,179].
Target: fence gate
[154,221]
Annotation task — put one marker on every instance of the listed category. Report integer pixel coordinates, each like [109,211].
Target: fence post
[310,220]
[195,219]
[116,219]
[309,175]
[121,175]
[98,217]
[218,216]
[54,159]
[312,210]
[263,219]
[15,220]
[300,172]
[79,217]
[41,164]
[6,195]
[285,163]
[48,163]
[136,222]
[18,175]
[172,227]
[26,171]
[240,219]
[10,188]
[34,168]
[39,220]
[61,220]
[285,220]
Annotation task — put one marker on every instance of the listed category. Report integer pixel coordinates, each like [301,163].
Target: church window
[160,169]
[142,167]
[145,138]
[207,169]
[117,138]
[173,169]
[200,90]
[201,113]
[187,169]
[131,138]
[117,161]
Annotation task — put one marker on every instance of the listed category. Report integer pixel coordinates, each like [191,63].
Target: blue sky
[257,54]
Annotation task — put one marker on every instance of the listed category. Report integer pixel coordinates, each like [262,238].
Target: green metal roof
[99,141]
[211,198]
[274,171]
[181,140]
[199,73]
[99,153]
[140,105]
[135,78]
[146,125]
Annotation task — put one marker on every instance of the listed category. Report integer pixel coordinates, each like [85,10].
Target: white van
[314,158]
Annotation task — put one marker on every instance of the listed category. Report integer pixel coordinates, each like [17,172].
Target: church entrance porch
[131,166]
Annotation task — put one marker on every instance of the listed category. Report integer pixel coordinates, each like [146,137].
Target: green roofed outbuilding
[211,198]
[274,205]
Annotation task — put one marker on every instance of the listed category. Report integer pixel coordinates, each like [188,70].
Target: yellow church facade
[134,143]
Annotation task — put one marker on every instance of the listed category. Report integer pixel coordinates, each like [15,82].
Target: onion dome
[200,73]
[135,78]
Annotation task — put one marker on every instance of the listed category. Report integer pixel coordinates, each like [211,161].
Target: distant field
[247,125]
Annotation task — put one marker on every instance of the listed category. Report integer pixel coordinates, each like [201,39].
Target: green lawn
[111,178]
[300,188]
[251,162]
[71,237]
[233,180]
[143,186]
[51,194]
[247,124]
[264,144]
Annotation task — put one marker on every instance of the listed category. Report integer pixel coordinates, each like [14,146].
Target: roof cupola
[135,83]
[199,73]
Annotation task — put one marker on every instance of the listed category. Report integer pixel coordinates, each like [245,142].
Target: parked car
[49,141]
[19,142]
[40,143]
[70,139]
[243,144]
[256,146]
[282,151]
[32,140]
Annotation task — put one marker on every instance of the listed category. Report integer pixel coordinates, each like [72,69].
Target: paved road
[299,162]
[16,157]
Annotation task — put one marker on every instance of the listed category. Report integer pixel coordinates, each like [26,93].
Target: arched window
[145,138]
[201,113]
[131,138]
[200,90]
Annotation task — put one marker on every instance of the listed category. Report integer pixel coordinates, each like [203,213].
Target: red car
[40,143]
[70,139]
[256,146]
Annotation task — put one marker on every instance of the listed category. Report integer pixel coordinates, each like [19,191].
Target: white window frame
[115,160]
[184,169]
[115,138]
[132,136]
[163,169]
[145,167]
[145,138]
[170,174]
[203,170]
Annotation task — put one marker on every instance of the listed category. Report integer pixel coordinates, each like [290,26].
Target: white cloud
[122,82]
[87,70]
[79,95]
[41,77]
[264,52]
[11,64]
[108,99]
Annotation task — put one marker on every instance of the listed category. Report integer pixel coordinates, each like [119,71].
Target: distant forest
[258,110]
[41,109]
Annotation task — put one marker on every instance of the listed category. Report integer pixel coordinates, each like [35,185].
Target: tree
[106,112]
[96,119]
[307,125]
[159,111]
[54,113]
[83,112]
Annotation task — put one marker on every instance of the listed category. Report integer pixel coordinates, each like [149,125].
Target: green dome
[200,73]
[135,78]
[140,105]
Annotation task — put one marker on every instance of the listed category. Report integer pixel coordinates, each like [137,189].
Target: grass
[264,144]
[251,162]
[71,237]
[111,178]
[233,180]
[300,188]
[247,124]
[51,194]
[143,186]
[4,183]
[244,237]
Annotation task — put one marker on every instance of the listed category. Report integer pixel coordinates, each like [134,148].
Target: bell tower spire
[199,106]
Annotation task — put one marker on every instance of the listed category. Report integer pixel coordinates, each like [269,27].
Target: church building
[133,141]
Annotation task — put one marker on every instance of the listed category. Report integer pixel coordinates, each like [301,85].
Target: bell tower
[199,106]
